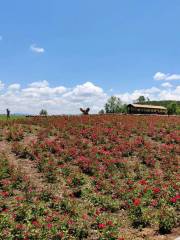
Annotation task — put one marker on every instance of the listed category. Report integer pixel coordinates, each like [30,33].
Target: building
[146,109]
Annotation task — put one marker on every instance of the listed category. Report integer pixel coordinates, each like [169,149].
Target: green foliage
[43,112]
[101,111]
[167,219]
[141,99]
[164,103]
[106,202]
[79,232]
[138,217]
[67,206]
[178,110]
[114,105]
[4,170]
[172,108]
[78,181]
[3,117]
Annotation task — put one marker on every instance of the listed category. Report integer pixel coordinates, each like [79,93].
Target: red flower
[101,225]
[110,223]
[98,212]
[154,203]
[145,189]
[156,190]
[5,210]
[85,216]
[70,222]
[36,223]
[137,202]
[6,182]
[19,226]
[173,199]
[49,225]
[4,194]
[143,182]
[178,197]
[19,198]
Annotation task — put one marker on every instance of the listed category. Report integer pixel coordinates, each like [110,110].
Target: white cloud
[166,85]
[14,87]
[62,100]
[42,90]
[85,95]
[152,90]
[39,84]
[57,100]
[87,90]
[1,85]
[152,93]
[36,49]
[170,94]
[159,76]
[133,96]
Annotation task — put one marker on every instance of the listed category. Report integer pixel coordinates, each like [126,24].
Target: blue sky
[115,45]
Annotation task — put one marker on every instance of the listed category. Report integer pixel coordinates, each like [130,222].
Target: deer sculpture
[85,111]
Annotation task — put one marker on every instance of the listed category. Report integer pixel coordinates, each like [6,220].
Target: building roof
[147,106]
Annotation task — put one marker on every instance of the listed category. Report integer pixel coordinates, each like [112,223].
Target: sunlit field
[12,117]
[89,177]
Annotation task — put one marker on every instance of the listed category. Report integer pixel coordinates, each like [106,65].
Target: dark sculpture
[85,111]
[8,113]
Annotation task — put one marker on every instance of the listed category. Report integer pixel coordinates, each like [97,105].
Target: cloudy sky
[63,55]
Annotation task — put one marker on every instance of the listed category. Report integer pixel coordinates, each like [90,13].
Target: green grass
[12,117]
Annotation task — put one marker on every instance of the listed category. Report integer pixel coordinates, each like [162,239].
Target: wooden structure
[146,109]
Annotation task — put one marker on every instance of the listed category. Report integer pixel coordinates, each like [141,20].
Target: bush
[172,108]
[4,170]
[167,219]
[138,218]
[106,202]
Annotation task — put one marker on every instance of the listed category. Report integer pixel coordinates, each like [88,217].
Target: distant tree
[124,108]
[147,99]
[178,110]
[172,108]
[141,99]
[43,112]
[114,105]
[101,111]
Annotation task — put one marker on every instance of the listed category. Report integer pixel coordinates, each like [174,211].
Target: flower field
[99,177]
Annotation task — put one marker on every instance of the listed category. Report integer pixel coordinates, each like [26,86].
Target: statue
[8,113]
[85,111]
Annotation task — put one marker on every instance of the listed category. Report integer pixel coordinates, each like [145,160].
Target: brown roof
[148,106]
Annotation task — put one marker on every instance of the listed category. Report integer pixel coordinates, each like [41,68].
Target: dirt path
[28,169]
[25,166]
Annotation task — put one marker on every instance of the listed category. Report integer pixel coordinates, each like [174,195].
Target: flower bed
[101,175]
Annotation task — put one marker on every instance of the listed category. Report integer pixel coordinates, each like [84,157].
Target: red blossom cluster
[95,169]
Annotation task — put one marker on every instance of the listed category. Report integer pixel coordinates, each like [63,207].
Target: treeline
[163,103]
[115,105]
[172,106]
